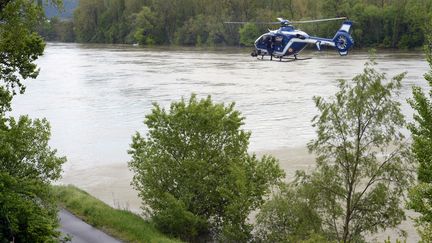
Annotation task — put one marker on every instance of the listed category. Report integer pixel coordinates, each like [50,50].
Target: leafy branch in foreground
[421,129]
[28,211]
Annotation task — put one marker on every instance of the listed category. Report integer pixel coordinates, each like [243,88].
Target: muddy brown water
[96,97]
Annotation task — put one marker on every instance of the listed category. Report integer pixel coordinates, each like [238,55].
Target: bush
[290,216]
[28,212]
[194,163]
[248,34]
[175,219]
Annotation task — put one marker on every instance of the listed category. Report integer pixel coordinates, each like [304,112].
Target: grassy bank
[121,224]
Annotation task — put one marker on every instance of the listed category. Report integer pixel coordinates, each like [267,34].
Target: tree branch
[372,179]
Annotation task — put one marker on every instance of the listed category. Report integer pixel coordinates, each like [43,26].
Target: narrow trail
[80,231]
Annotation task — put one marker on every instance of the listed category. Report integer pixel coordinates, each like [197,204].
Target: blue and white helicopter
[288,41]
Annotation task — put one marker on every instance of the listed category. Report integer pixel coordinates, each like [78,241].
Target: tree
[27,163]
[28,212]
[421,129]
[143,22]
[194,174]
[87,20]
[194,32]
[20,46]
[363,164]
[248,34]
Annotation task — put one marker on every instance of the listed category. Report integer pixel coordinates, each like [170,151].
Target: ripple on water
[109,85]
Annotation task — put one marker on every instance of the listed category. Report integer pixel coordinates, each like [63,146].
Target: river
[96,97]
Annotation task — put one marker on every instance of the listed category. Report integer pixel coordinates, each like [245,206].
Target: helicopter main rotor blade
[281,20]
[266,23]
[316,20]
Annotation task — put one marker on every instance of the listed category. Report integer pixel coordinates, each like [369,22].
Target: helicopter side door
[279,43]
[265,43]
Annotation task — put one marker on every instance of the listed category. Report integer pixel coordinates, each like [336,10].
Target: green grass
[121,224]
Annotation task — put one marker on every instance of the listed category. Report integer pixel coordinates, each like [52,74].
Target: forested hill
[378,23]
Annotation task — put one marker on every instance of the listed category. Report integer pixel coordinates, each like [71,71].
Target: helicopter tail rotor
[343,40]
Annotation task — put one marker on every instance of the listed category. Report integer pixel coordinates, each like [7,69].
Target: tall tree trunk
[346,231]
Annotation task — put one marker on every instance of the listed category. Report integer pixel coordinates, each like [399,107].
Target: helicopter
[287,41]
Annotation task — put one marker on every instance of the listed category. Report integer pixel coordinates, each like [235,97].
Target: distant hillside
[67,13]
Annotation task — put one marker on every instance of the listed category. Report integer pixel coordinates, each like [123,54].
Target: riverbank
[227,48]
[111,184]
[121,224]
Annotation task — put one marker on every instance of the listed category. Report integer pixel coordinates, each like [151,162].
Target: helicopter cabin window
[278,40]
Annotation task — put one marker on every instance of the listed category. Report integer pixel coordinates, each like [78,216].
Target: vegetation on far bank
[377,23]
[121,224]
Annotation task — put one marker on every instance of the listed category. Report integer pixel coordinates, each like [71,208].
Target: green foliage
[378,23]
[143,23]
[175,219]
[20,46]
[290,216]
[363,164]
[248,34]
[57,30]
[27,165]
[121,224]
[193,167]
[420,200]
[425,231]
[5,101]
[194,32]
[24,150]
[421,129]
[27,211]
[87,21]
[396,241]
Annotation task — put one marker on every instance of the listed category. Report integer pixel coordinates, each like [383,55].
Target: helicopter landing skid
[295,58]
[284,59]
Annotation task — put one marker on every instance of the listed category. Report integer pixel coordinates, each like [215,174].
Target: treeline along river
[377,23]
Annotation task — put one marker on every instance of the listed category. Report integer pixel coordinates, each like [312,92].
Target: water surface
[96,96]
